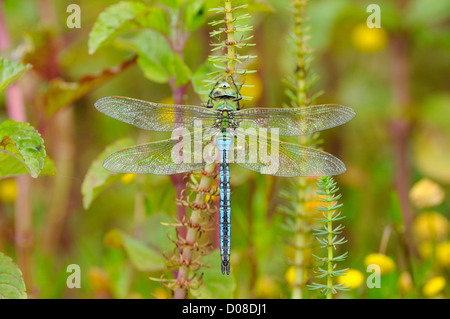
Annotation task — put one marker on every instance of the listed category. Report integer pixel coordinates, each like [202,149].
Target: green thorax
[225,108]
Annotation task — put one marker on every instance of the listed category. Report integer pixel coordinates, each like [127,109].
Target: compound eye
[224,85]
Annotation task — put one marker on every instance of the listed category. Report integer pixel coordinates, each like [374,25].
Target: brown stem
[178,93]
[181,292]
[401,126]
[62,131]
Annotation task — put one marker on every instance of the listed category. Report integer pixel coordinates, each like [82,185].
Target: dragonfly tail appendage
[225,266]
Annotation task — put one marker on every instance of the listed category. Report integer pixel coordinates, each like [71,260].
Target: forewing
[154,116]
[295,121]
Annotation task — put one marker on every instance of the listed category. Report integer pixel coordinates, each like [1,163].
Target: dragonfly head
[224,90]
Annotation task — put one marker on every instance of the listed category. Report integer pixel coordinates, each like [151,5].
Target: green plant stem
[300,236]
[299,243]
[299,12]
[230,31]
[177,41]
[330,250]
[328,237]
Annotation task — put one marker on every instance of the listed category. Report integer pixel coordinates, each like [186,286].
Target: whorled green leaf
[123,17]
[22,151]
[61,93]
[141,256]
[215,286]
[12,285]
[10,72]
[97,178]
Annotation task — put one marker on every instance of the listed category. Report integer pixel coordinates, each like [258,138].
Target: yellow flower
[369,40]
[290,275]
[431,225]
[405,283]
[255,88]
[161,293]
[426,193]
[99,280]
[443,253]
[209,198]
[266,288]
[433,286]
[385,263]
[8,190]
[127,179]
[425,249]
[353,279]
[113,239]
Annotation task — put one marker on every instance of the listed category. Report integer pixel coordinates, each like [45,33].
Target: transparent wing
[155,116]
[173,156]
[296,121]
[274,157]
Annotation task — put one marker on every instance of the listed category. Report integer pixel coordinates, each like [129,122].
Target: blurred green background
[395,77]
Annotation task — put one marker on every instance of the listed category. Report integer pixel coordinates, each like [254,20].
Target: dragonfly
[223,123]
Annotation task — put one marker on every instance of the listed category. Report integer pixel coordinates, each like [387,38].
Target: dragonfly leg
[211,97]
[238,93]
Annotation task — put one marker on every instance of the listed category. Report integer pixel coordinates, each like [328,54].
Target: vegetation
[156,236]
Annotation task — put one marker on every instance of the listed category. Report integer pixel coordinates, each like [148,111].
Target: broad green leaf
[49,167]
[22,150]
[98,178]
[112,22]
[155,56]
[123,17]
[180,71]
[61,93]
[200,75]
[215,285]
[157,60]
[430,12]
[143,257]
[12,285]
[174,4]
[10,72]
[153,18]
[13,167]
[194,13]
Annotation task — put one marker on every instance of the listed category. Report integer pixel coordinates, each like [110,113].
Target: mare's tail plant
[328,237]
[202,188]
[300,196]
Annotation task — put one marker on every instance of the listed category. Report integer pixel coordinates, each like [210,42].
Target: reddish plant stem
[23,224]
[401,127]
[178,93]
